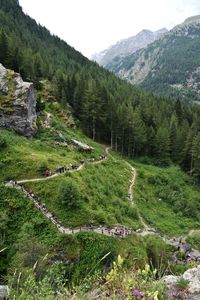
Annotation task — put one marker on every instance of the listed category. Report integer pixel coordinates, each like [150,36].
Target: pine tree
[162,146]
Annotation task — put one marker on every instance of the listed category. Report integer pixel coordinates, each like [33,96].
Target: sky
[91,26]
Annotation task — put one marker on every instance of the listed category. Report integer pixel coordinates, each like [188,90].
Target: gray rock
[4,292]
[193,290]
[17,103]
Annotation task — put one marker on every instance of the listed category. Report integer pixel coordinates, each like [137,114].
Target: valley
[100,177]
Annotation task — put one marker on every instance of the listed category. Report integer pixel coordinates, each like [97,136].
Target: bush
[69,195]
[194,240]
[42,167]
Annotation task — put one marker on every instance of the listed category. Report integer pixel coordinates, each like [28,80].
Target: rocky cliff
[17,103]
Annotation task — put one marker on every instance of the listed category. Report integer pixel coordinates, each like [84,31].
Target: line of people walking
[72,167]
[116,231]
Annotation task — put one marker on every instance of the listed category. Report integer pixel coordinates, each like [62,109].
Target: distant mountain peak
[170,65]
[128,46]
[193,19]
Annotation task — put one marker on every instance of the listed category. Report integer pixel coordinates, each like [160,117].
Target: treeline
[132,121]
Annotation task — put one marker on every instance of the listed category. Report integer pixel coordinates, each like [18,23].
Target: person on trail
[58,170]
[46,173]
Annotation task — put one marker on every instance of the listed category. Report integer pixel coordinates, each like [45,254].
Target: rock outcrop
[17,103]
[191,291]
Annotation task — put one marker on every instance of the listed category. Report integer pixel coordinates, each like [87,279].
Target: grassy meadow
[168,199]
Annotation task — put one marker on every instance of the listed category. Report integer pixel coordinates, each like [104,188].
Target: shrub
[194,240]
[182,283]
[69,195]
[42,167]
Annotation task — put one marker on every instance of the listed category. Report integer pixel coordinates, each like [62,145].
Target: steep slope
[109,109]
[169,66]
[127,46]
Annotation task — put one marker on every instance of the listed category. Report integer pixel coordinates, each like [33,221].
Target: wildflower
[174,294]
[141,295]
[136,293]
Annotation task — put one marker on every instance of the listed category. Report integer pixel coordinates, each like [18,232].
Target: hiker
[46,173]
[82,161]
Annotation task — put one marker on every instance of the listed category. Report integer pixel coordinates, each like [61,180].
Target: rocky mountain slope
[17,103]
[169,66]
[127,46]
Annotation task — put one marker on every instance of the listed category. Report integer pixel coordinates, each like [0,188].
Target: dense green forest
[109,109]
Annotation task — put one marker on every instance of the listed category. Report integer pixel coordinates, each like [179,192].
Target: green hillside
[108,109]
[168,199]
[102,191]
[101,199]
[97,200]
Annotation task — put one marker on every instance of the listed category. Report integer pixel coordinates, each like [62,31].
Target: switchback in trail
[78,168]
[118,231]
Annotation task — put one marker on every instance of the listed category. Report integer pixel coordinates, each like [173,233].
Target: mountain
[127,46]
[77,218]
[169,66]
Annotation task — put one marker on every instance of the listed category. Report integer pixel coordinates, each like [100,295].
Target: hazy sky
[92,25]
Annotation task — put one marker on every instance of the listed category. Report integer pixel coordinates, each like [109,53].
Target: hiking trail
[117,230]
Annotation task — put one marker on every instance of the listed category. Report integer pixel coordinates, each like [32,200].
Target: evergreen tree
[162,146]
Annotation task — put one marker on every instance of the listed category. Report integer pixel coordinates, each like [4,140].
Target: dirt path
[116,231]
[131,198]
[106,153]
[147,230]
[193,231]
[38,179]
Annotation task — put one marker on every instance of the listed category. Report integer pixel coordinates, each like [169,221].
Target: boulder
[17,103]
[191,292]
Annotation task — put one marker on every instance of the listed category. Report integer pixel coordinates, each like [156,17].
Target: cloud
[92,25]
